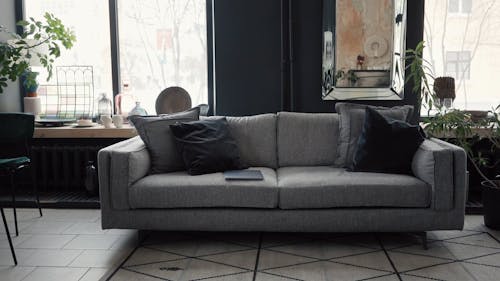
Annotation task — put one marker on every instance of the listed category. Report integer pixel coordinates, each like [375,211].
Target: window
[466,48]
[90,21]
[459,6]
[163,44]
[458,65]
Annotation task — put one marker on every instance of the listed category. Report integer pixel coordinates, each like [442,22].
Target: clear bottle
[125,101]
[104,107]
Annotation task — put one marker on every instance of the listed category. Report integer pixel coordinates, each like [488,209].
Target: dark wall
[247,56]
[254,29]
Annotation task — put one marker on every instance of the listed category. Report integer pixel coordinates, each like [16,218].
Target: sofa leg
[142,235]
[423,236]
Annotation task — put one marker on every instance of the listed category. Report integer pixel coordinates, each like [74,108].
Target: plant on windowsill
[22,51]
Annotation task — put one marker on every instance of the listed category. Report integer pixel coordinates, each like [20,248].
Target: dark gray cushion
[352,117]
[256,139]
[180,190]
[160,142]
[328,187]
[307,139]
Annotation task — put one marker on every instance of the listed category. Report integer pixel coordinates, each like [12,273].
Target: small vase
[138,110]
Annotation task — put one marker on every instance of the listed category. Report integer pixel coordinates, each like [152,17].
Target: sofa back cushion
[156,134]
[307,139]
[256,139]
[352,117]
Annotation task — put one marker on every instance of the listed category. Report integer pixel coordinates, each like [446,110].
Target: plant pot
[491,204]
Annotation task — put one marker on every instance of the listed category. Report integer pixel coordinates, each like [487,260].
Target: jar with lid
[104,107]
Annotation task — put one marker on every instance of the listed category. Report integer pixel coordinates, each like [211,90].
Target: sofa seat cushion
[181,190]
[328,187]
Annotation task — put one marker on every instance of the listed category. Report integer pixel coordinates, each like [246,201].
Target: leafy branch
[16,53]
[466,132]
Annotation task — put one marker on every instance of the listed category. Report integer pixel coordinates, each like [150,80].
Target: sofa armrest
[443,166]
[120,166]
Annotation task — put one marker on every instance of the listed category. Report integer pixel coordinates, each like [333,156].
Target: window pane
[477,39]
[90,21]
[466,6]
[163,44]
[453,5]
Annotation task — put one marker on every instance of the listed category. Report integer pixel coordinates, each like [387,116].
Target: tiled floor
[62,245]
[69,245]
[473,254]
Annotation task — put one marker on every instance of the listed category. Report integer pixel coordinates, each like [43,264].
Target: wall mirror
[363,49]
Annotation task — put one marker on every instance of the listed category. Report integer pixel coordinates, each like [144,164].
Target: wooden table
[97,131]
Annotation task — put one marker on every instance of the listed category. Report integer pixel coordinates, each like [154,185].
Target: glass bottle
[138,110]
[104,107]
[124,101]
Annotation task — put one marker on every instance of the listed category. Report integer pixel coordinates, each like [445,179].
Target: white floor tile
[126,275]
[46,241]
[97,274]
[92,242]
[47,227]
[56,274]
[46,257]
[21,254]
[99,258]
[14,273]
[85,228]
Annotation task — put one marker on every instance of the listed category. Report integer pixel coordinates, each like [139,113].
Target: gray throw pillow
[352,117]
[159,140]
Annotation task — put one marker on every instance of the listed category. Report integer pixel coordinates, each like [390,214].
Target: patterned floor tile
[242,259]
[247,276]
[483,272]
[392,277]
[322,249]
[449,250]
[146,255]
[262,276]
[405,262]
[482,239]
[326,271]
[187,269]
[198,247]
[126,275]
[377,260]
[449,234]
[450,272]
[271,259]
[493,260]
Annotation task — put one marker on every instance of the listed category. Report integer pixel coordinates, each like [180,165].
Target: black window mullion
[115,47]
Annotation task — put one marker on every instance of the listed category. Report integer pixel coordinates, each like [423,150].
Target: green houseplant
[21,51]
[459,127]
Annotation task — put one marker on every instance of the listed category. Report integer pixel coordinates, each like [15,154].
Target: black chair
[8,236]
[16,132]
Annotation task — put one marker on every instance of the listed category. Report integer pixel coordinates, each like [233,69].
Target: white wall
[10,99]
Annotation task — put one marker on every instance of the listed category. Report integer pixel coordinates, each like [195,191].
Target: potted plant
[460,127]
[39,44]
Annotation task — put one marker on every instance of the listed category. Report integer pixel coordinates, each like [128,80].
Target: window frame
[20,14]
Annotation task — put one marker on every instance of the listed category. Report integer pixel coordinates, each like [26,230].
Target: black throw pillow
[386,145]
[207,146]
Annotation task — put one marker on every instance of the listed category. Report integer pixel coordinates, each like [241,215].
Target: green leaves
[15,57]
[421,75]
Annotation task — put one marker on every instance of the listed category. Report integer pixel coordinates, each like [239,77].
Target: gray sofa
[302,190]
